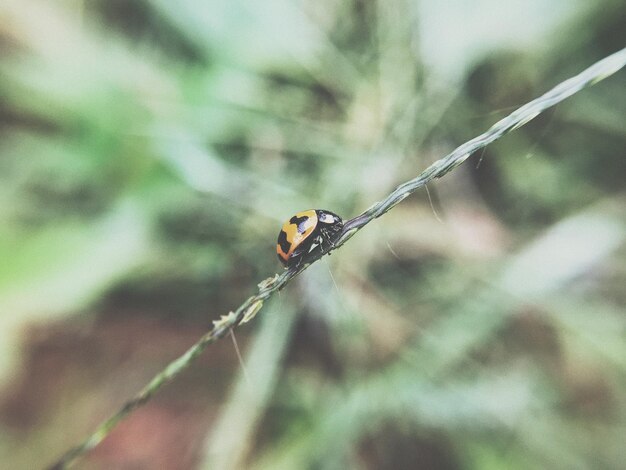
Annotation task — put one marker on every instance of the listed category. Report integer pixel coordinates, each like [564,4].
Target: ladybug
[305,233]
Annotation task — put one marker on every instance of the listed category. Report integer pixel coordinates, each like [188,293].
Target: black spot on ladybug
[282,241]
[295,220]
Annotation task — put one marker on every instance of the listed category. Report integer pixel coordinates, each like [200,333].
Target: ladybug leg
[297,265]
[301,254]
[327,236]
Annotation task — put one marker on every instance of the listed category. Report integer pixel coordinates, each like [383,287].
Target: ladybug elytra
[305,233]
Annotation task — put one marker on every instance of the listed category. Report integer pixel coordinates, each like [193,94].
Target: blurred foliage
[149,152]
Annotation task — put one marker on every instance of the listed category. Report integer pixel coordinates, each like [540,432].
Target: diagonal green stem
[246,311]
[598,71]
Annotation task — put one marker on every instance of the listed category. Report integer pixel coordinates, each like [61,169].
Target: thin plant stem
[246,311]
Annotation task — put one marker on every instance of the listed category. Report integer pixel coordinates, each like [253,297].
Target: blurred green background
[150,151]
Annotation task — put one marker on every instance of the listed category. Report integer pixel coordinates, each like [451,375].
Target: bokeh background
[150,151]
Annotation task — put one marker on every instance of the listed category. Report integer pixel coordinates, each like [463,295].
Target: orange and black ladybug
[305,234]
